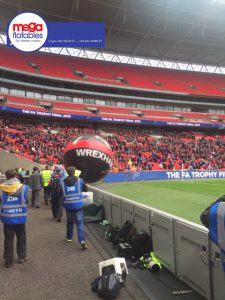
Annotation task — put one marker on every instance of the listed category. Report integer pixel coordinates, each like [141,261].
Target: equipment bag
[125,233]
[125,250]
[141,243]
[108,284]
[111,233]
[150,262]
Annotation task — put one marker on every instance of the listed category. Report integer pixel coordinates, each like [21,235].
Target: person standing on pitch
[72,188]
[13,212]
[46,176]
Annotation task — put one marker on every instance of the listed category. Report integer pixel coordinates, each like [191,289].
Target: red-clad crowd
[134,149]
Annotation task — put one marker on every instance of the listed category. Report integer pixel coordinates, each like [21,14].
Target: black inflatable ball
[90,154]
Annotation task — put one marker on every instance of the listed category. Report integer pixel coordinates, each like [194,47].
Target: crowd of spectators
[134,149]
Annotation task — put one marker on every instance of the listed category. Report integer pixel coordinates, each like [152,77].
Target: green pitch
[186,199]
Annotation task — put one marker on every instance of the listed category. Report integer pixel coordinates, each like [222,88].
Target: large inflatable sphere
[91,154]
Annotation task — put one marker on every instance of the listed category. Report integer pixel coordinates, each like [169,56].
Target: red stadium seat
[106,73]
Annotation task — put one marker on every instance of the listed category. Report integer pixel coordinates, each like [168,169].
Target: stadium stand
[134,149]
[155,92]
[90,71]
[110,111]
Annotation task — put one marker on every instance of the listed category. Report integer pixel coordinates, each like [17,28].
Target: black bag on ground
[108,285]
[111,233]
[125,250]
[204,217]
[125,233]
[141,243]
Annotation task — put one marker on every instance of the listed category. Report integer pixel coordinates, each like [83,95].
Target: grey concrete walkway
[56,269]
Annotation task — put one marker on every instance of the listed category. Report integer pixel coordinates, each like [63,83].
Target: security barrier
[183,247]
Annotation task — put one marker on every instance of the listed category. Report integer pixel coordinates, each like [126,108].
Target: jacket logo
[10,198]
[70,188]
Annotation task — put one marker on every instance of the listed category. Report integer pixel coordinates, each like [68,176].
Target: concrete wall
[11,161]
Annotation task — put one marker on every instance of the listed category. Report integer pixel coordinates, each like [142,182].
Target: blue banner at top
[28,32]
[76,35]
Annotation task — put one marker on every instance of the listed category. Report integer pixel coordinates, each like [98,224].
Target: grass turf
[186,199]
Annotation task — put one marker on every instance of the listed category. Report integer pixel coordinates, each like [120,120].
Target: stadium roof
[190,31]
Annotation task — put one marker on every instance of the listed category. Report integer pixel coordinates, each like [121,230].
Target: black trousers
[57,206]
[9,232]
[47,193]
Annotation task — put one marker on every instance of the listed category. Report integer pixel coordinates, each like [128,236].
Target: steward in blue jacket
[72,188]
[13,214]
[213,218]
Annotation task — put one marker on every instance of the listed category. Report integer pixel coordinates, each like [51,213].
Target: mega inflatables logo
[27,32]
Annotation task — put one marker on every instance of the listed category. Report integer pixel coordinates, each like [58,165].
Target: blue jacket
[13,209]
[72,194]
[217,227]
